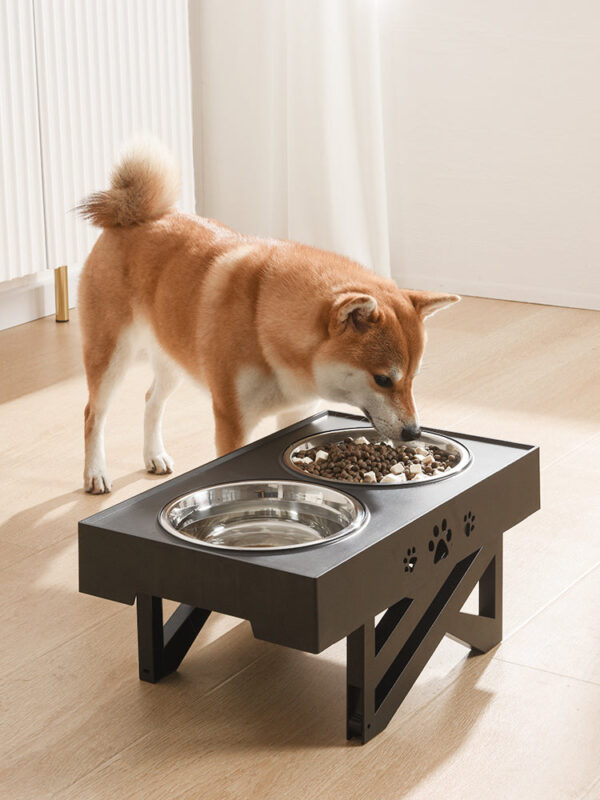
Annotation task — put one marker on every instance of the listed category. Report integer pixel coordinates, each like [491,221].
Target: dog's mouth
[368,416]
[385,435]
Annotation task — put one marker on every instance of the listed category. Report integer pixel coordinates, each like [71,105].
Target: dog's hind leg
[105,365]
[167,377]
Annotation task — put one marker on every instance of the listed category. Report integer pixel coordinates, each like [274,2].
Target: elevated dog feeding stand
[422,551]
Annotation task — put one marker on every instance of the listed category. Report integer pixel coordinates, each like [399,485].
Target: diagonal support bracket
[385,660]
[162,648]
[484,631]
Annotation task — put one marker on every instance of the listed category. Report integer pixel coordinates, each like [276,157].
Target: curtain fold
[292,135]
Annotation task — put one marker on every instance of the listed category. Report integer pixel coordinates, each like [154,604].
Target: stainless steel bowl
[331,437]
[263,515]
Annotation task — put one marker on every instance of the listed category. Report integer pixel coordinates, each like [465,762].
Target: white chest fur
[261,393]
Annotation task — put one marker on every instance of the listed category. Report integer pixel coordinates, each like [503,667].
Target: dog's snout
[411,432]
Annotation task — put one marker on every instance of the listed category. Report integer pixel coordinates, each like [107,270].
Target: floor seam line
[102,764]
[563,455]
[586,791]
[498,657]
[149,733]
[551,602]
[57,646]
[235,674]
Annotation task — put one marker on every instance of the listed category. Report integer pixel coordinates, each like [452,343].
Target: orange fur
[236,311]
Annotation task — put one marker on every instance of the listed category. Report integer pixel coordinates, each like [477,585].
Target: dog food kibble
[361,461]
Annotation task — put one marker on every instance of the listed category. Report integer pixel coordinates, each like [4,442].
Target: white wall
[491,114]
[492,135]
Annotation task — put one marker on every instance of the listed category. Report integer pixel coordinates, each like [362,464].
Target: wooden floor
[246,719]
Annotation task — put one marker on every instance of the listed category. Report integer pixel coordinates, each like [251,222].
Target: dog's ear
[428,303]
[353,308]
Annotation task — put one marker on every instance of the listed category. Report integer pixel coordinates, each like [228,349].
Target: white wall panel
[22,249]
[108,69]
[492,144]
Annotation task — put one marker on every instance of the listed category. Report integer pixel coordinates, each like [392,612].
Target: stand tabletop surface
[391,508]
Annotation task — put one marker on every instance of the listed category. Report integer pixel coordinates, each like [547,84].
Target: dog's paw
[160,463]
[97,482]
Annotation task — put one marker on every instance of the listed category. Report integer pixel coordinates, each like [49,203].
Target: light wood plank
[570,620]
[479,733]
[82,704]
[499,731]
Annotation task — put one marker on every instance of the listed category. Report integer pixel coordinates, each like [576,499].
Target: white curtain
[76,80]
[289,139]
[107,69]
[22,227]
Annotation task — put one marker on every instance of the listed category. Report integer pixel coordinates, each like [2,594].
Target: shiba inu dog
[266,325]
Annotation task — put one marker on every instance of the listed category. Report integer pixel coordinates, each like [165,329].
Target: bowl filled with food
[362,456]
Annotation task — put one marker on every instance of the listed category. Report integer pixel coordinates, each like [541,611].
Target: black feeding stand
[421,553]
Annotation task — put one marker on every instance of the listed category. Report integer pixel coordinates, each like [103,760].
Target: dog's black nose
[411,433]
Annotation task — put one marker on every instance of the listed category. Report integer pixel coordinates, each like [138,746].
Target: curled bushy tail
[144,185]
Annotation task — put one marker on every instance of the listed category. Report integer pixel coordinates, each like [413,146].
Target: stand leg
[61,293]
[161,649]
[484,631]
[385,660]
[359,700]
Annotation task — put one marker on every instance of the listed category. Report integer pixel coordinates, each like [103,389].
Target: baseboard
[501,291]
[25,299]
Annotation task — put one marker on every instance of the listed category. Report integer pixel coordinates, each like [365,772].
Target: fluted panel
[22,249]
[108,70]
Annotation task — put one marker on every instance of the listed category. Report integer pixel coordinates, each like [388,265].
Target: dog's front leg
[240,402]
[230,431]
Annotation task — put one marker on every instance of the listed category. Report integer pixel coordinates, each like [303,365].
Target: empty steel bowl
[263,515]
[331,437]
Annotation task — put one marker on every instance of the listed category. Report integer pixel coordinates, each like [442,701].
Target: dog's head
[373,352]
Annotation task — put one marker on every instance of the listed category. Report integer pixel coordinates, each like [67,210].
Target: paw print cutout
[410,560]
[439,544]
[469,521]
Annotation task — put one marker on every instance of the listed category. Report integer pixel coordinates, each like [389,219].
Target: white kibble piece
[390,478]
[398,469]
[419,457]
[306,460]
[370,477]
[422,451]
[322,455]
[427,460]
[361,440]
[418,477]
[414,469]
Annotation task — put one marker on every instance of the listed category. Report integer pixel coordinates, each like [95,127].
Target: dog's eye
[384,381]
